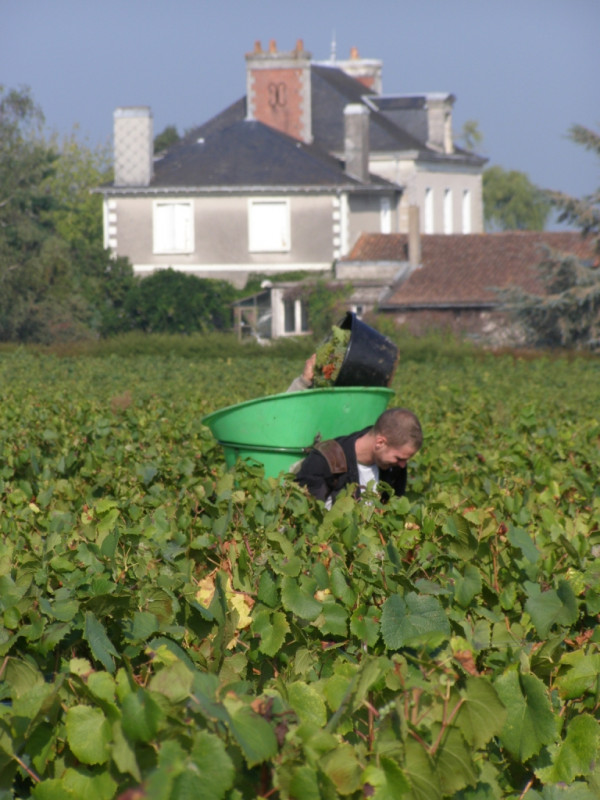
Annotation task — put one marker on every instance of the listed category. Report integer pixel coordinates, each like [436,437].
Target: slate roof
[461,270]
[247,153]
[236,154]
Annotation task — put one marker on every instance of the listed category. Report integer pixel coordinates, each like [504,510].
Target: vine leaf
[530,723]
[576,755]
[416,620]
[100,645]
[88,734]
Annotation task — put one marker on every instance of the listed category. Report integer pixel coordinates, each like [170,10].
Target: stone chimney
[356,141]
[365,70]
[414,236]
[278,89]
[439,122]
[133,146]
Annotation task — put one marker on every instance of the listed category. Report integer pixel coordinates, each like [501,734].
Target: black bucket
[370,357]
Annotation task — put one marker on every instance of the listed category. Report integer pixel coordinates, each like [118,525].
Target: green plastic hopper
[276,430]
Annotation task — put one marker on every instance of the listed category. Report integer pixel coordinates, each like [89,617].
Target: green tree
[326,305]
[470,135]
[568,315]
[56,278]
[31,258]
[175,302]
[512,202]
[168,137]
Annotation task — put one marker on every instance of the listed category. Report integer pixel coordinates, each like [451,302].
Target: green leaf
[454,762]
[581,675]
[307,702]
[173,682]
[364,624]
[142,716]
[123,754]
[100,645]
[387,780]
[416,620]
[215,768]
[304,783]
[424,780]
[88,734]
[521,539]
[530,723]
[482,715]
[253,733]
[467,586]
[340,588]
[577,755]
[272,627]
[299,600]
[342,768]
[333,619]
[554,607]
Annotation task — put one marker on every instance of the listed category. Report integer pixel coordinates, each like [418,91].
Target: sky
[524,70]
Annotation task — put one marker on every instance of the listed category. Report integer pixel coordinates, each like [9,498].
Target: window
[173,228]
[448,218]
[268,226]
[289,317]
[429,211]
[466,212]
[385,215]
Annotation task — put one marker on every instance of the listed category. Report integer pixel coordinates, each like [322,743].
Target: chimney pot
[272,46]
[257,46]
[354,52]
[299,46]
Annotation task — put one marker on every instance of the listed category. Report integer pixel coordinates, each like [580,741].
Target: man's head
[397,437]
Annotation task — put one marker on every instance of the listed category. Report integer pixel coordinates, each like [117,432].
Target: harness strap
[334,455]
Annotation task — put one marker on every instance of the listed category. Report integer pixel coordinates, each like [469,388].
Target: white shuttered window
[173,228]
[268,226]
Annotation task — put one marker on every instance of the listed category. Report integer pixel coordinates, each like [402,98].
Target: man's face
[387,455]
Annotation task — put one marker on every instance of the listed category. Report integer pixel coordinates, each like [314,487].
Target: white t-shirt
[366,474]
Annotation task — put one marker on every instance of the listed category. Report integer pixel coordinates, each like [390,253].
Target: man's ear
[380,440]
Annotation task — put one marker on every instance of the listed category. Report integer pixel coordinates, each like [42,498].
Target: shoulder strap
[334,455]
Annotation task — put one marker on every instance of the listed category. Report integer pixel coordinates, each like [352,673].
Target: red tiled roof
[459,269]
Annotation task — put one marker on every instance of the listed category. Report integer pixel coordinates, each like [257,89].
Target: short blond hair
[399,426]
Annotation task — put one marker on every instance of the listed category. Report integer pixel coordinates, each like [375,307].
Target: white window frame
[385,215]
[269,225]
[429,225]
[172,227]
[467,224]
[448,212]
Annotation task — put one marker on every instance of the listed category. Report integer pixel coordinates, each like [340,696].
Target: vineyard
[170,629]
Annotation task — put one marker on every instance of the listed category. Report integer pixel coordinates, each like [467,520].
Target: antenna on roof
[332,57]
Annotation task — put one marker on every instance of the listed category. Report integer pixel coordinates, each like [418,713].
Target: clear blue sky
[525,70]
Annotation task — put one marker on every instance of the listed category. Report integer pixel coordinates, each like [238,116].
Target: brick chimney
[365,70]
[356,141]
[133,146]
[278,89]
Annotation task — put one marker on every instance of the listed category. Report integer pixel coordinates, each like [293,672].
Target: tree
[512,202]
[470,135]
[56,278]
[164,140]
[568,315]
[174,302]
